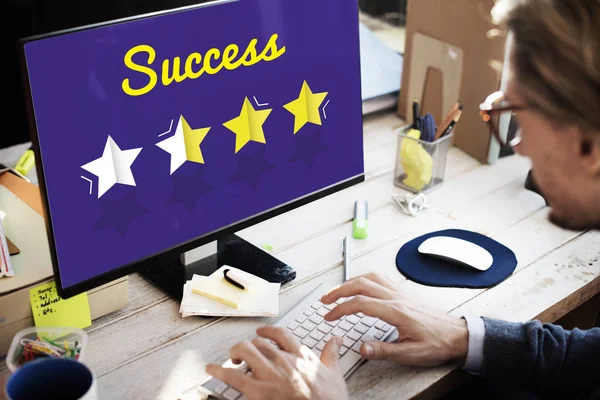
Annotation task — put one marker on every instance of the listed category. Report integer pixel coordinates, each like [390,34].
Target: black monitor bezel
[114,274]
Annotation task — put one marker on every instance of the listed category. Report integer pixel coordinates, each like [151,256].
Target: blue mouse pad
[431,271]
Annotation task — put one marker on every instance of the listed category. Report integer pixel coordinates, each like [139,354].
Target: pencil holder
[420,165]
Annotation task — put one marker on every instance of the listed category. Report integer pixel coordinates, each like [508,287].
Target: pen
[416,115]
[233,282]
[346,259]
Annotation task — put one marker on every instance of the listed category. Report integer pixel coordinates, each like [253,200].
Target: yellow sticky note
[50,310]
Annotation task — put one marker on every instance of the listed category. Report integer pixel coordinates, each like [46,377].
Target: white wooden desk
[147,351]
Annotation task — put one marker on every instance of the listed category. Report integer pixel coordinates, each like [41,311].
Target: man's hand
[291,372]
[427,337]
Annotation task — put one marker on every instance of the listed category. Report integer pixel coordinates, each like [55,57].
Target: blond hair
[556,57]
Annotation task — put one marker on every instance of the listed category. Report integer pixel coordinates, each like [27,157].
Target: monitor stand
[170,275]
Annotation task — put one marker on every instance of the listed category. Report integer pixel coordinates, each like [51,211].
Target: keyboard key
[354,335]
[317,335]
[353,319]
[379,324]
[301,318]
[340,300]
[317,352]
[345,326]
[368,321]
[321,345]
[361,328]
[357,346]
[309,326]
[293,326]
[330,306]
[386,327]
[327,337]
[301,332]
[231,394]
[333,323]
[370,335]
[322,311]
[379,335]
[343,350]
[309,312]
[348,342]
[315,319]
[221,388]
[323,327]
[338,332]
[317,305]
[360,315]
[309,342]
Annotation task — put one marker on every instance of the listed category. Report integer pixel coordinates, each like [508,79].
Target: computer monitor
[157,134]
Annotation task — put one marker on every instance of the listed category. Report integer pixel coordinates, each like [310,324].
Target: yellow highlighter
[26,162]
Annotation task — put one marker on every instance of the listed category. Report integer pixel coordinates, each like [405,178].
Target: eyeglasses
[497,113]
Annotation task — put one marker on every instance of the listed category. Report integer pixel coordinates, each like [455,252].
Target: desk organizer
[420,165]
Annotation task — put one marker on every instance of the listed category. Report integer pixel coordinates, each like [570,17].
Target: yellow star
[306,107]
[248,125]
[193,138]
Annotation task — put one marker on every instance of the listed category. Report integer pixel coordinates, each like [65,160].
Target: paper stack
[214,296]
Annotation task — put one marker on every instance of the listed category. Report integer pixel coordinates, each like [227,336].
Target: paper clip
[411,204]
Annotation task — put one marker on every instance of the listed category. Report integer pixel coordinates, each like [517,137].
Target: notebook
[214,296]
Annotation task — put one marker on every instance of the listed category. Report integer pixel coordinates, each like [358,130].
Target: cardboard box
[463,24]
[25,225]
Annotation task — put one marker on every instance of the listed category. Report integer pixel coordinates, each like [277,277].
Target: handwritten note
[50,310]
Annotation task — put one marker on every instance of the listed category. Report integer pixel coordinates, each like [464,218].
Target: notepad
[49,309]
[214,296]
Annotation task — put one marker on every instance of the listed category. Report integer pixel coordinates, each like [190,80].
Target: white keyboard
[305,321]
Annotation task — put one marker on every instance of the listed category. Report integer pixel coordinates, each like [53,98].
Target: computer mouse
[459,251]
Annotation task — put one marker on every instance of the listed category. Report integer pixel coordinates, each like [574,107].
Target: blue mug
[52,378]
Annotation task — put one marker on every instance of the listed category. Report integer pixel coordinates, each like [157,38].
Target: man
[554,92]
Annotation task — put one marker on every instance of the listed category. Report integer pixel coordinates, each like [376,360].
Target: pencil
[446,121]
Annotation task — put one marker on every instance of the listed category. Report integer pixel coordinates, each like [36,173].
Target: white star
[175,145]
[113,167]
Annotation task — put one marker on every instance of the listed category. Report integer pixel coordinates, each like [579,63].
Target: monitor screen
[156,132]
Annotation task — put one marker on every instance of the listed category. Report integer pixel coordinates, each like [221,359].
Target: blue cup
[52,378]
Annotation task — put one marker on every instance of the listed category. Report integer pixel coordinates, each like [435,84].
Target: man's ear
[590,154]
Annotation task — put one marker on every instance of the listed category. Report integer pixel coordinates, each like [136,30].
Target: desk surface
[148,351]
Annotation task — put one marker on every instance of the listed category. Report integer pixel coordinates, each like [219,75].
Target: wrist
[459,343]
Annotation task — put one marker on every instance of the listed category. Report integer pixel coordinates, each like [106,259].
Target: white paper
[265,303]
[6,268]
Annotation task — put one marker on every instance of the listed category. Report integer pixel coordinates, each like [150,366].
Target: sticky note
[50,310]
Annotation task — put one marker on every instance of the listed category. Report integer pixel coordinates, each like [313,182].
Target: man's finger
[359,286]
[330,356]
[275,355]
[378,278]
[382,309]
[233,377]
[282,337]
[256,361]
[397,352]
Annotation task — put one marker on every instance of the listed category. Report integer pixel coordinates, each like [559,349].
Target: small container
[30,344]
[420,165]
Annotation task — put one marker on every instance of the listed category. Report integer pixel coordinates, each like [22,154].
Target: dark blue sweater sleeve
[543,358]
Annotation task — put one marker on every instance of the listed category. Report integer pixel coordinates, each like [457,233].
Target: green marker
[361,220]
